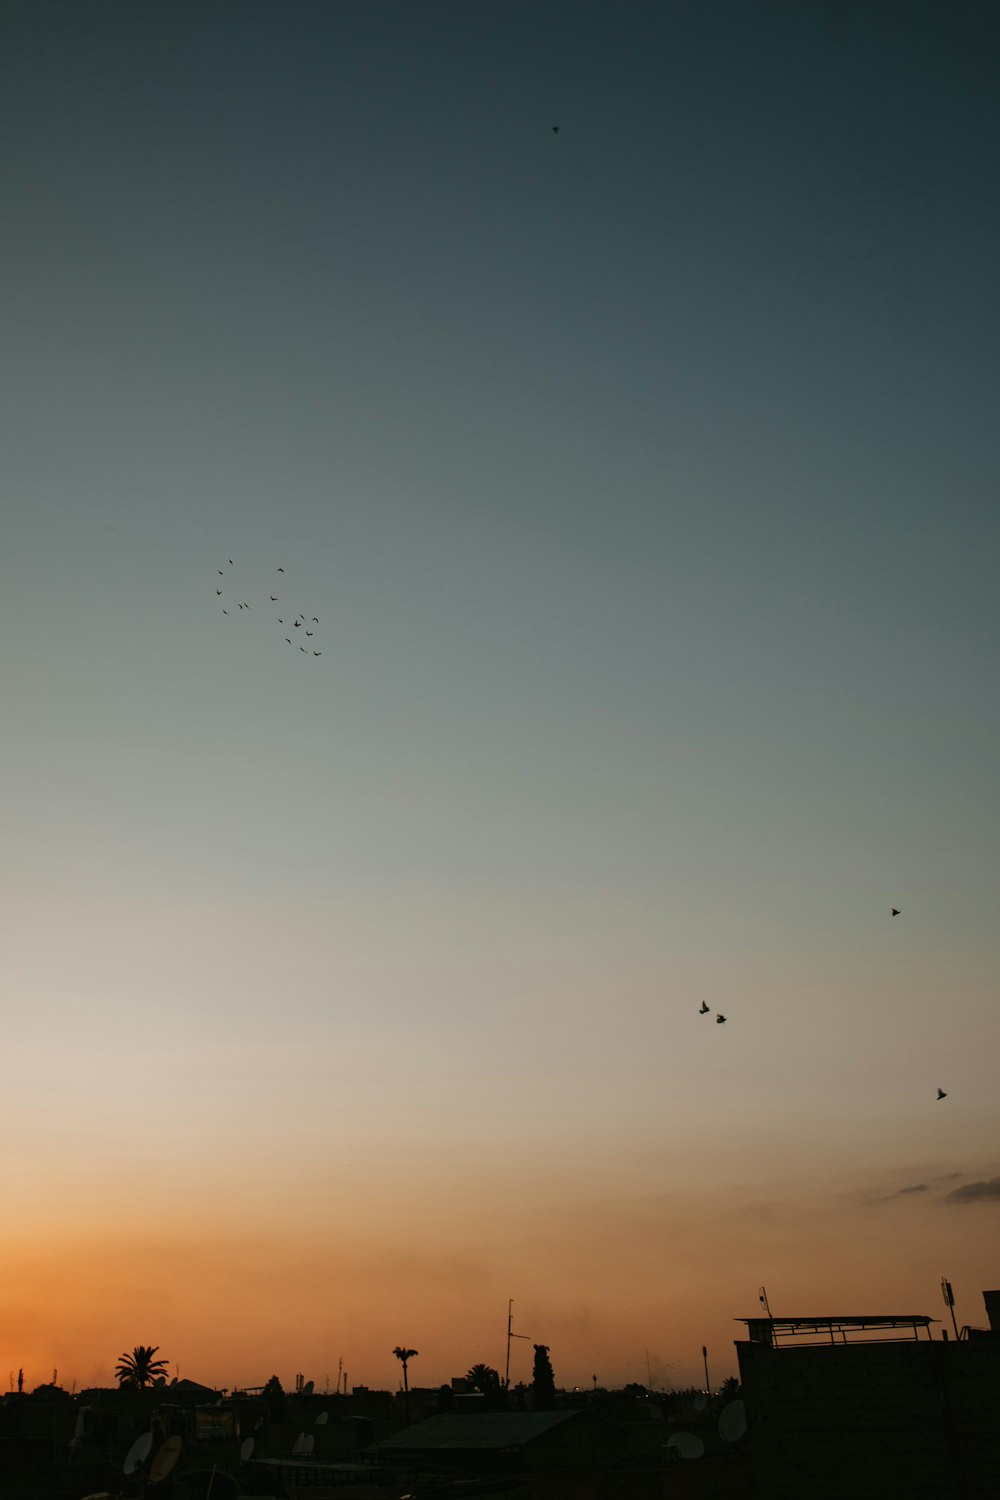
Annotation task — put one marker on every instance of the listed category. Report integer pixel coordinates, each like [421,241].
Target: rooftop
[487,1429]
[869,1329]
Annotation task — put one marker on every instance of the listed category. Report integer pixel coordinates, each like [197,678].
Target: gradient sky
[643,478]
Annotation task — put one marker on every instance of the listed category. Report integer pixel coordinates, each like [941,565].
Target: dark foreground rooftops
[486,1429]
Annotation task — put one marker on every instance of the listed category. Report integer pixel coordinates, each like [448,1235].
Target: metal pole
[704,1355]
[506,1372]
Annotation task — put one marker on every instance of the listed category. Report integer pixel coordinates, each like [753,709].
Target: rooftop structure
[799,1332]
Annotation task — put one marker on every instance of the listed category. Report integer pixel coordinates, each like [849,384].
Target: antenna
[138,1453]
[949,1302]
[686,1445]
[704,1355]
[166,1456]
[511,1335]
[732,1422]
[762,1297]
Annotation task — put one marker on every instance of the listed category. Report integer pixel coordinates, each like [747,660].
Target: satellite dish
[167,1455]
[307,1389]
[246,1448]
[308,1444]
[700,1401]
[138,1453]
[300,1442]
[322,1419]
[686,1444]
[733,1421]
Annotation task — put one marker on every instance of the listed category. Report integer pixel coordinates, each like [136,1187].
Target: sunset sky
[643,478]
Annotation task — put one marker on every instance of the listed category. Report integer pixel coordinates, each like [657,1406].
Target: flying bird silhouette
[225,611]
[274,598]
[315,619]
[217,593]
[555,130]
[310,632]
[895,911]
[942,1094]
[230,562]
[317,653]
[720,1020]
[704,1009]
[296,624]
[281,570]
[302,648]
[288,638]
[220,572]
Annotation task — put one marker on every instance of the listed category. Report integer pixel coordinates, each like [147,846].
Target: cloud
[976,1192]
[917,1187]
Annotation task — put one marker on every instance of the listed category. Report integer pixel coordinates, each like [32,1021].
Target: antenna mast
[510,1335]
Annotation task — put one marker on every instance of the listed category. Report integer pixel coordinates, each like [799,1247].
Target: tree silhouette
[274,1395]
[543,1382]
[484,1378]
[404,1356]
[139,1369]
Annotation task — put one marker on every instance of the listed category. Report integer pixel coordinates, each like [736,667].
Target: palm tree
[404,1356]
[485,1379]
[137,1370]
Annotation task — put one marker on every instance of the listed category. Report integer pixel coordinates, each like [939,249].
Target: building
[874,1408]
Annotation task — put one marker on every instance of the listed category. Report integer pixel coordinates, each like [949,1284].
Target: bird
[555,130]
[315,619]
[317,653]
[220,572]
[942,1094]
[240,606]
[310,632]
[246,606]
[895,911]
[296,624]
[720,1020]
[274,598]
[288,639]
[281,570]
[302,648]
[225,611]
[280,620]
[230,562]
[704,1009]
[217,593]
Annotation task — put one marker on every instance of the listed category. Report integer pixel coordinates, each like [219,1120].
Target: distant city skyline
[639,483]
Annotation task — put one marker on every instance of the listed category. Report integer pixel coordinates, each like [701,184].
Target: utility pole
[704,1355]
[511,1335]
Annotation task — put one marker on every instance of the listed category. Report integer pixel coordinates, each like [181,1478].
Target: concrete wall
[917,1420]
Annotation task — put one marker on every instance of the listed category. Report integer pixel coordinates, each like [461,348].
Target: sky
[641,480]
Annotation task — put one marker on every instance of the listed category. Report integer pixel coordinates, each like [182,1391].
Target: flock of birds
[305,624]
[720,1019]
[299,622]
